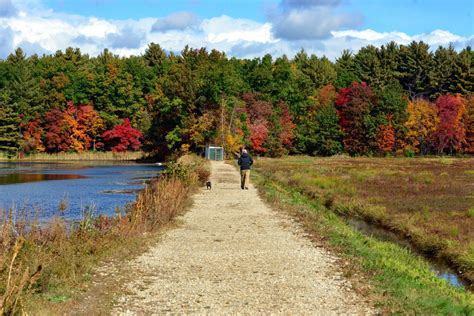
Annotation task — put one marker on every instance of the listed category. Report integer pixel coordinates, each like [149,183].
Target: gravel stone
[234,255]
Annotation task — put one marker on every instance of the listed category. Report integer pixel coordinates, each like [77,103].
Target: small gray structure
[214,152]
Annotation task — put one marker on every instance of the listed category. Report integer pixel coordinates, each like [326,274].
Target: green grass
[401,282]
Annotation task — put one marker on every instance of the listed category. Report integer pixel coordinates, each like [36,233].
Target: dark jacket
[245,161]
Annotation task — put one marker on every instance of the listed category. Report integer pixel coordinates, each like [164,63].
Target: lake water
[45,188]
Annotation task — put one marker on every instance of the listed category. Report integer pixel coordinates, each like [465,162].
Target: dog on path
[208,185]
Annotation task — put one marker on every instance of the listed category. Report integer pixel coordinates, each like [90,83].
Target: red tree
[57,131]
[353,105]
[32,136]
[123,137]
[256,108]
[258,115]
[258,136]
[469,125]
[449,136]
[286,124]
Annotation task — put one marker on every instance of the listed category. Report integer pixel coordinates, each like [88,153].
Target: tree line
[393,99]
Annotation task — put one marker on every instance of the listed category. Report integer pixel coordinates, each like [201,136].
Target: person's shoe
[246,188]
[242,187]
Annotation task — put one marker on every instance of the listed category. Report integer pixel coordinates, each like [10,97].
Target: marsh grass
[50,260]
[414,198]
[73,156]
[391,277]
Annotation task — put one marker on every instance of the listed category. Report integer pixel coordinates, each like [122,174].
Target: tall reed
[74,156]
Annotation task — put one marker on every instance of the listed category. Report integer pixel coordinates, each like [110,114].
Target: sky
[244,29]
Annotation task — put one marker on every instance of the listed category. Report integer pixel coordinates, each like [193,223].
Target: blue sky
[409,16]
[245,28]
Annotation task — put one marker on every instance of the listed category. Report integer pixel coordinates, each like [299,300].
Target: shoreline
[67,258]
[84,156]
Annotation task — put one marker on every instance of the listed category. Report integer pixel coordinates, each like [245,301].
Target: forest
[389,100]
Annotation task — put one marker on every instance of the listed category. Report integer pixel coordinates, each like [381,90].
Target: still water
[438,267]
[45,188]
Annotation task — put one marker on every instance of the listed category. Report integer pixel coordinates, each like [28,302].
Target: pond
[67,189]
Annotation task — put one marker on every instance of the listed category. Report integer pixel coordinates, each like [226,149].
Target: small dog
[208,185]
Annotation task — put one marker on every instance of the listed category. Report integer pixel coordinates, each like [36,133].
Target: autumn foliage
[123,137]
[449,134]
[385,138]
[32,136]
[422,122]
[388,100]
[469,125]
[58,133]
[353,106]
[77,128]
[286,124]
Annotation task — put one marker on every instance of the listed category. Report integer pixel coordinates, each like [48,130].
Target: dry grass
[428,201]
[50,260]
[88,155]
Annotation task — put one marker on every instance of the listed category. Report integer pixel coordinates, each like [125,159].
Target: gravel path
[233,254]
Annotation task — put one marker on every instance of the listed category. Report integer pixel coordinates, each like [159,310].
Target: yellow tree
[84,125]
[90,124]
[422,122]
[76,134]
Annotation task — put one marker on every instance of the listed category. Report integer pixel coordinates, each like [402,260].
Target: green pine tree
[9,130]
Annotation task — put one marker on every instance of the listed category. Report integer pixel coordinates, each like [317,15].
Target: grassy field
[428,201]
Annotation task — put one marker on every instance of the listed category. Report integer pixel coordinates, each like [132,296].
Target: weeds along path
[232,254]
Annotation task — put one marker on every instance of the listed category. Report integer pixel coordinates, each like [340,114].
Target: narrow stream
[442,270]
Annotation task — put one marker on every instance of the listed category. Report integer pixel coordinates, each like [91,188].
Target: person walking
[245,161]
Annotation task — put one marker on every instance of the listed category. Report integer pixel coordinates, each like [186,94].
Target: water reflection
[101,186]
[33,177]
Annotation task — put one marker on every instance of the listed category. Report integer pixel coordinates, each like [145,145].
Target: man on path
[245,161]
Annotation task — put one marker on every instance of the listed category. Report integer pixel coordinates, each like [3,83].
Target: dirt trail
[233,254]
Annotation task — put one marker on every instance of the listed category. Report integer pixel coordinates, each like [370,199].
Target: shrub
[470,212]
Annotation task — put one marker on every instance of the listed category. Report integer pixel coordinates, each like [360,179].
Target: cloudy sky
[241,28]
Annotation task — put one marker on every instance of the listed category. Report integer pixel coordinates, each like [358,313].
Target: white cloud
[309,19]
[439,37]
[96,27]
[227,29]
[42,30]
[175,21]
[310,23]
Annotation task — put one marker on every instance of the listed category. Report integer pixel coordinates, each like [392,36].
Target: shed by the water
[214,152]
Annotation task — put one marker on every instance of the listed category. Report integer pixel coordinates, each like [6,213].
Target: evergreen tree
[346,70]
[23,87]
[9,130]
[415,64]
[442,79]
